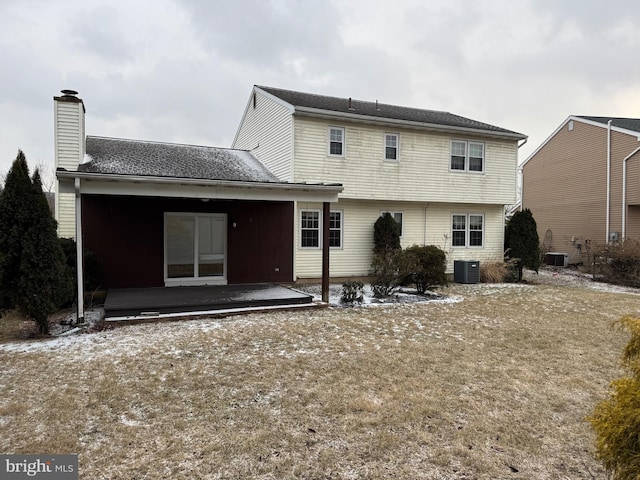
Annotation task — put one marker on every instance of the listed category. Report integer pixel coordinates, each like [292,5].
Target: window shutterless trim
[395,147]
[465,156]
[336,142]
[393,214]
[316,228]
[468,230]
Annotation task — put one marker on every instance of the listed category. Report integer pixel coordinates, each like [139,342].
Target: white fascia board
[106,184]
[331,115]
[632,133]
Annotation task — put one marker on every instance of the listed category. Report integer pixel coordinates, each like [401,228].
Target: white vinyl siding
[266,131]
[422,175]
[354,258]
[69,153]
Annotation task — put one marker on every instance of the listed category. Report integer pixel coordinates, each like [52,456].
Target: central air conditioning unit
[466,271]
[556,259]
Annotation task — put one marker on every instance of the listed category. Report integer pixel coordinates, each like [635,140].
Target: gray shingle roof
[135,157]
[626,123]
[382,110]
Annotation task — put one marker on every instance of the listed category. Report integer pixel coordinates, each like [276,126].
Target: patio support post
[325,251]
[79,255]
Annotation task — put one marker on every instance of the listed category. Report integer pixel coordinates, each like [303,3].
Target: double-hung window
[467,156]
[397,216]
[391,146]
[335,229]
[310,225]
[467,230]
[336,141]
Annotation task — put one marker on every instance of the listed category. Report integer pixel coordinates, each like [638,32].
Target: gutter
[328,114]
[112,177]
[624,192]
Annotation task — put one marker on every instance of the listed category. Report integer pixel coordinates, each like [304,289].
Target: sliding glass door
[195,248]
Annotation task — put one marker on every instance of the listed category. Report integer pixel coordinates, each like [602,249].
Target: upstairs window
[467,156]
[336,141]
[467,230]
[391,146]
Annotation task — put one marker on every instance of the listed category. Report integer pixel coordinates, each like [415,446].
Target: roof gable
[135,157]
[382,111]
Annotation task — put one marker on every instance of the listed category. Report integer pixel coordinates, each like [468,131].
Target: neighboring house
[162,214]
[582,184]
[446,179]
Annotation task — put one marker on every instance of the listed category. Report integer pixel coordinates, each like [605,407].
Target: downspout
[624,192]
[607,216]
[424,240]
[79,256]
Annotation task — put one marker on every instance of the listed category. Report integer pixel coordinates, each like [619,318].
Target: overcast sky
[182,70]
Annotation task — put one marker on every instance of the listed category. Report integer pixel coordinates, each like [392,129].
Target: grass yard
[493,385]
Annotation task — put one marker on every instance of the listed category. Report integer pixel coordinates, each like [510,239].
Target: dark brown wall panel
[127,236]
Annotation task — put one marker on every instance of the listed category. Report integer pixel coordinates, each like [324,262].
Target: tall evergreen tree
[522,241]
[14,202]
[33,275]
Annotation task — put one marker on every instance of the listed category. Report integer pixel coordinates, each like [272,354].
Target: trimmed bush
[424,266]
[386,235]
[522,241]
[616,421]
[352,292]
[619,263]
[385,274]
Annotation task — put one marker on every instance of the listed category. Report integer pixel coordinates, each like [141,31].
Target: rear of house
[445,179]
[583,185]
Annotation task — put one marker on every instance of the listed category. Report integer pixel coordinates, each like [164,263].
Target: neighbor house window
[310,225]
[397,216]
[467,230]
[391,146]
[335,229]
[467,156]
[336,141]
[310,228]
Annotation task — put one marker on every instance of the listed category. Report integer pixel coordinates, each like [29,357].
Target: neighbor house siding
[621,146]
[69,152]
[266,131]
[422,224]
[564,186]
[421,173]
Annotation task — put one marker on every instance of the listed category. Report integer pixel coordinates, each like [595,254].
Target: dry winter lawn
[495,385]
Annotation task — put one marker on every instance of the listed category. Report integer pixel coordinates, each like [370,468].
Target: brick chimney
[69,138]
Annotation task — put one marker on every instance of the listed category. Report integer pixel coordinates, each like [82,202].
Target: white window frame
[393,214]
[396,137]
[319,228]
[342,142]
[467,155]
[340,229]
[468,229]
